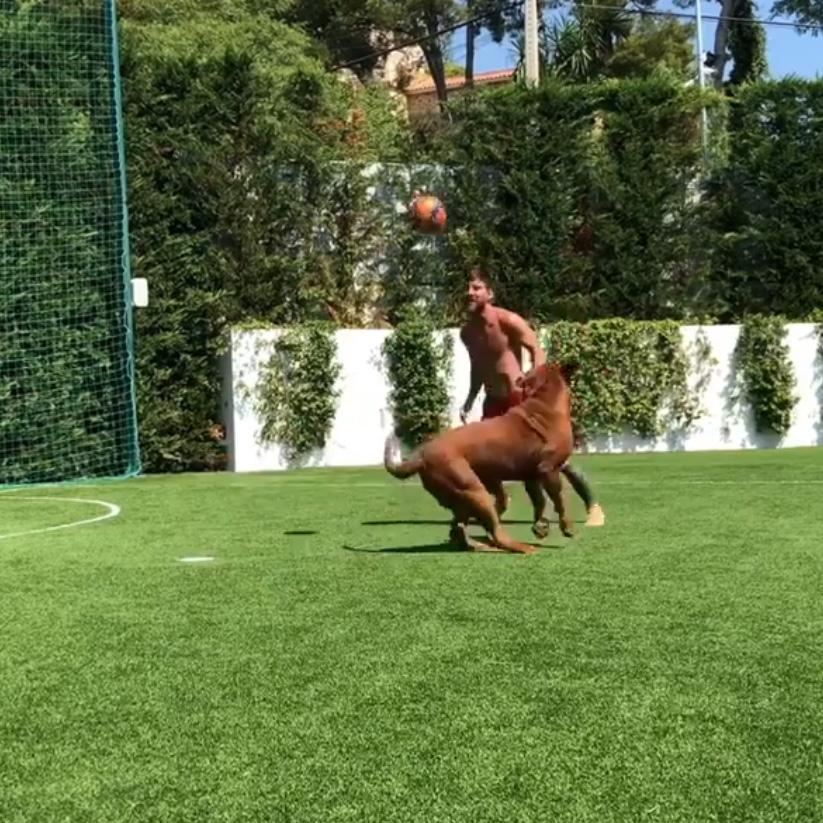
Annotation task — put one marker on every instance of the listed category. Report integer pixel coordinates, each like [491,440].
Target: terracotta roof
[423,83]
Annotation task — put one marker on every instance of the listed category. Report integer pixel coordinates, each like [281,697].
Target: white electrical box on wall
[140,292]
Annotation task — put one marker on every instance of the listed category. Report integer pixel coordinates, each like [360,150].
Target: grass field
[336,661]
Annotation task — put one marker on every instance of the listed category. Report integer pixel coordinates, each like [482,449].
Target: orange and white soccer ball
[428,213]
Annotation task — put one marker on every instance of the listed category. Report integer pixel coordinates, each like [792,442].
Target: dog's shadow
[430,548]
[447,548]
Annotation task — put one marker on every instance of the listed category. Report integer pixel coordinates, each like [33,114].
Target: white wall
[364,420]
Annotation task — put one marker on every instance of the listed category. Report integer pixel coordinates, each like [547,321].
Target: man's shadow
[446,523]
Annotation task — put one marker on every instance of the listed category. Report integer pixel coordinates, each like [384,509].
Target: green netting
[67,405]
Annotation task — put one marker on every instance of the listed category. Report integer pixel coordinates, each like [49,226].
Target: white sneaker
[596,516]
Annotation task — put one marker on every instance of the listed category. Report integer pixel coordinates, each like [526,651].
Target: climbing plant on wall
[632,375]
[296,395]
[765,378]
[419,364]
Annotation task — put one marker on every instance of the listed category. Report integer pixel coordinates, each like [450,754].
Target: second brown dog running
[464,468]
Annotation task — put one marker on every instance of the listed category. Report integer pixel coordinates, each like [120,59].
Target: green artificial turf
[336,661]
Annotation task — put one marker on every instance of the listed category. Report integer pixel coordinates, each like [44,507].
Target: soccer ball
[428,213]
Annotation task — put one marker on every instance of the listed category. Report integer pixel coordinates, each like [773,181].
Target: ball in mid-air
[428,213]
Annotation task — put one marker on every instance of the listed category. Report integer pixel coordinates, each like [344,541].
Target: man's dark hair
[481,274]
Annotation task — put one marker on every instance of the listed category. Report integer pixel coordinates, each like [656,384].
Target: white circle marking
[112,510]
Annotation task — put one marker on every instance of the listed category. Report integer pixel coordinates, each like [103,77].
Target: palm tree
[580,46]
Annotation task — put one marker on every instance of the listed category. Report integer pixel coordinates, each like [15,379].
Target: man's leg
[496,407]
[594,511]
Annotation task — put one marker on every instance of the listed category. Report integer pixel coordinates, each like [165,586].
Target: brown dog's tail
[395,465]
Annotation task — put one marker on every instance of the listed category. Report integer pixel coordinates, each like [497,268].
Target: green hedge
[767,202]
[591,201]
[635,376]
[578,198]
[249,202]
[251,199]
[239,207]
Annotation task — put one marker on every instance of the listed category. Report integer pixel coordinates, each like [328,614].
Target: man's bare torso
[495,354]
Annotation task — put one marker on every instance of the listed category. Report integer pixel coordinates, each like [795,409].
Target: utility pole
[701,79]
[532,63]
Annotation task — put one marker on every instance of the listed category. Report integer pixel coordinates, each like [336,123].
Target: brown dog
[464,468]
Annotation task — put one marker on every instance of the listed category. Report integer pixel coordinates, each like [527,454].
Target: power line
[511,6]
[727,18]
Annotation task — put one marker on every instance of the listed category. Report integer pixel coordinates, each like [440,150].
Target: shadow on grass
[447,548]
[446,523]
[300,531]
[431,548]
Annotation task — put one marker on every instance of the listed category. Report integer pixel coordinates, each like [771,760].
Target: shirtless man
[495,339]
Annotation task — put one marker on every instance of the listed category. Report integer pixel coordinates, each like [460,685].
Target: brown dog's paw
[540,528]
[566,528]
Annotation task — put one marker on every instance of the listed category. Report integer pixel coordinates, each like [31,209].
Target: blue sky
[788,51]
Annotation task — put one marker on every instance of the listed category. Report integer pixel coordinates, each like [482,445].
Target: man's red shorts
[497,406]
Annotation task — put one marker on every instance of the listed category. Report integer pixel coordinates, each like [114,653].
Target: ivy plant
[296,393]
[420,367]
[764,372]
[632,375]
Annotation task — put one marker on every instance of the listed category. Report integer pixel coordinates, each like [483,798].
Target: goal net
[67,396]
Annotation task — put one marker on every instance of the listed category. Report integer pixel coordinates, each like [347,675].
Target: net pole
[125,260]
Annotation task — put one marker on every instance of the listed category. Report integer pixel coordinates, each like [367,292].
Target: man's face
[479,295]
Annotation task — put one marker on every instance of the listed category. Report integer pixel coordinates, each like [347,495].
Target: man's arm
[520,332]
[476,381]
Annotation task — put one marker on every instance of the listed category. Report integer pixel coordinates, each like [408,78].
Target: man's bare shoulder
[510,319]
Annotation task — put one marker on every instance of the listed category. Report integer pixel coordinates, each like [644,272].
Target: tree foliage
[348,30]
[582,45]
[737,38]
[747,45]
[654,45]
[422,20]
[181,12]
[804,11]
